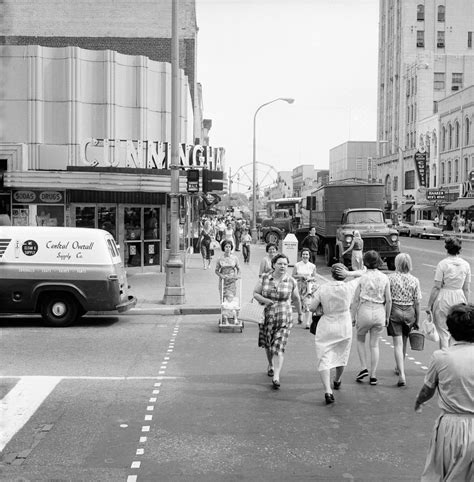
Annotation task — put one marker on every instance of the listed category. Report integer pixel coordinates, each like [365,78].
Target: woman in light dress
[304,273]
[452,283]
[266,263]
[334,332]
[356,247]
[228,271]
[451,374]
[371,311]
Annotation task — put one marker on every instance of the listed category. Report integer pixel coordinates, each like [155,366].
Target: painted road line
[21,402]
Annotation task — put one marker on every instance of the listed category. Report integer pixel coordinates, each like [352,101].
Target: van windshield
[362,217]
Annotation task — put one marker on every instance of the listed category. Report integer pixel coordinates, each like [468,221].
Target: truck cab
[278,226]
[374,231]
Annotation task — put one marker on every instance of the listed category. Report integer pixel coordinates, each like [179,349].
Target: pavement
[200,285]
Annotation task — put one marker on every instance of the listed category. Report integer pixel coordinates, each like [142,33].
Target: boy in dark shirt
[311,242]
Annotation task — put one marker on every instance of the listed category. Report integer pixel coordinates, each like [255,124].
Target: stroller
[230,308]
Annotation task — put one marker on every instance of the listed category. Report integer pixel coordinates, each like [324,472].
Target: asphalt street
[151,398]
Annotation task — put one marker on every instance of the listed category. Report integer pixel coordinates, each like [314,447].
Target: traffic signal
[193,180]
[212,180]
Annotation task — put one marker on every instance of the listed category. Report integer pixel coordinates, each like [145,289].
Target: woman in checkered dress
[277,290]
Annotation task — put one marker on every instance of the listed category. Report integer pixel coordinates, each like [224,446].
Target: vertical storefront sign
[420,164]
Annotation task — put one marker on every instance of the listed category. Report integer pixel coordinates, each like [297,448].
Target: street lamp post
[254,164]
[174,289]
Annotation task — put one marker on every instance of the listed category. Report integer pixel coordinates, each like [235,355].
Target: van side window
[112,248]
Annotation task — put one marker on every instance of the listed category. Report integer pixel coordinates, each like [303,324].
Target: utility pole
[174,290]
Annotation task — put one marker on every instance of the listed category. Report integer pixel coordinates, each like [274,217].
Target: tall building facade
[425,54]
[353,160]
[85,120]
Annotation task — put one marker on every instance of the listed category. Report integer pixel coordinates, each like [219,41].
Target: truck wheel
[329,254]
[272,237]
[59,309]
[391,264]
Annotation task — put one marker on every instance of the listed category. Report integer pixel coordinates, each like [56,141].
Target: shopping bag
[428,328]
[214,245]
[252,311]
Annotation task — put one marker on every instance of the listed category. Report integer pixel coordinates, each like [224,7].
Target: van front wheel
[59,309]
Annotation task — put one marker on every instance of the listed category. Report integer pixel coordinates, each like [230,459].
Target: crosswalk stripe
[21,402]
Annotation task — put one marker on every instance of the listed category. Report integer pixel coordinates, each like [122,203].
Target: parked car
[425,228]
[403,228]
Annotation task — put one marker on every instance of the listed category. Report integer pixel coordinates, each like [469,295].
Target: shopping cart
[229,316]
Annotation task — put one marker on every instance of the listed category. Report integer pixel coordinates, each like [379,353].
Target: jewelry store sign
[146,154]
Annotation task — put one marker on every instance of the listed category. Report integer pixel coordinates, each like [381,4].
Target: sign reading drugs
[145,154]
[420,164]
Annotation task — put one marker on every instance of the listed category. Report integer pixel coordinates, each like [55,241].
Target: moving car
[403,228]
[425,228]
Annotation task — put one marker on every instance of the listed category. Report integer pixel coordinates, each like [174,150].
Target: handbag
[252,311]
[428,328]
[214,245]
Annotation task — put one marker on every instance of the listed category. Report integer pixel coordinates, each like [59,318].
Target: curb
[163,311]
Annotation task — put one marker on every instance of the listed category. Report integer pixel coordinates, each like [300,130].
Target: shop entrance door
[142,236]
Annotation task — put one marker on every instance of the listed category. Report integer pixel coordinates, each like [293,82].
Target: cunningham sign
[140,154]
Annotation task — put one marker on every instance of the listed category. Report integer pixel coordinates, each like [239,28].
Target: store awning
[461,204]
[423,206]
[405,208]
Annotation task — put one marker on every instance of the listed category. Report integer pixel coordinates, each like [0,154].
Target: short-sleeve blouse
[372,286]
[451,371]
[452,272]
[405,288]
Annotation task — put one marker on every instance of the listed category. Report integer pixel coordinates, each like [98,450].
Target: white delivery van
[61,273]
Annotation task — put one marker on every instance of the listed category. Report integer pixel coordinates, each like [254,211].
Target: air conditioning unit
[455,87]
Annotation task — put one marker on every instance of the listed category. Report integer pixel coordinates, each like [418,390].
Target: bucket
[417,340]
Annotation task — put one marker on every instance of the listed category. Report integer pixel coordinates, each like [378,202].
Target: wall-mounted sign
[38,197]
[420,164]
[145,154]
[436,195]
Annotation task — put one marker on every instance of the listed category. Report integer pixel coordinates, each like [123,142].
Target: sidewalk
[200,286]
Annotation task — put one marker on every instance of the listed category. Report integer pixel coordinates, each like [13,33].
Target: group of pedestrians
[372,301]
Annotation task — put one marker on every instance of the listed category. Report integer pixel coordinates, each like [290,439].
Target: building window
[469,40]
[441,13]
[408,87]
[456,170]
[466,169]
[410,180]
[439,80]
[395,183]
[450,136]
[434,175]
[420,38]
[456,83]
[450,178]
[440,39]
[443,139]
[467,133]
[420,12]
[443,173]
[435,144]
[456,134]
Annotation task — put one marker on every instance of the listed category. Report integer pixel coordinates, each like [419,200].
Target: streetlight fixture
[253,227]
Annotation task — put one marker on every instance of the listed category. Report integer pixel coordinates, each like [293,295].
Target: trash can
[289,247]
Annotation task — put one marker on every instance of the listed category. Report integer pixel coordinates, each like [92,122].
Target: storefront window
[85,217]
[21,215]
[107,219]
[49,215]
[133,225]
[152,224]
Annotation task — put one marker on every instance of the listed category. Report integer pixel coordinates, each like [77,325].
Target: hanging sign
[420,164]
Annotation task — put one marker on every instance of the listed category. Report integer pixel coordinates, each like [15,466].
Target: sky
[322,53]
